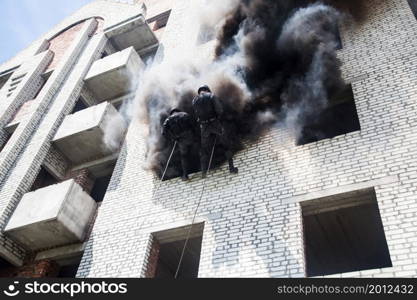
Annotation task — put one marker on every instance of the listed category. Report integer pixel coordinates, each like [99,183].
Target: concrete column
[23,86]
[31,141]
[52,87]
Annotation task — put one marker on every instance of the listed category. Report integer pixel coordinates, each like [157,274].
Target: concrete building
[343,203]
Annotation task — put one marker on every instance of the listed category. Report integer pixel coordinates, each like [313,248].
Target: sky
[24,21]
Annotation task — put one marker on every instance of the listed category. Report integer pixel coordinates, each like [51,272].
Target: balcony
[52,216]
[133,32]
[81,135]
[114,75]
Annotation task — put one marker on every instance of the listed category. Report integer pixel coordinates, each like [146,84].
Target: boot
[184,177]
[232,168]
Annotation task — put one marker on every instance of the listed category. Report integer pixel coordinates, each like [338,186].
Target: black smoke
[287,66]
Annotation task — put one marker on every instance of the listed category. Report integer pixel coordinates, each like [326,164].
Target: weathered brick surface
[57,163]
[83,178]
[38,269]
[253,225]
[60,43]
[251,228]
[152,260]
[21,176]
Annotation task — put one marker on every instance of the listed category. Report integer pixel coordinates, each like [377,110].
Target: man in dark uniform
[179,127]
[208,111]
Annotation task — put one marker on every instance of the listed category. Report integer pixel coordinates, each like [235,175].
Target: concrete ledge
[81,135]
[63,255]
[114,75]
[341,189]
[132,32]
[52,216]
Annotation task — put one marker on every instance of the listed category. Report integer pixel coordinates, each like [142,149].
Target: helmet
[174,110]
[204,88]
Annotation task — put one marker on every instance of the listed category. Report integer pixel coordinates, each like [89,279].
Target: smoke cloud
[275,61]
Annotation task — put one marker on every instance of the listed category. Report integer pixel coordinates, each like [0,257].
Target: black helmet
[174,110]
[204,88]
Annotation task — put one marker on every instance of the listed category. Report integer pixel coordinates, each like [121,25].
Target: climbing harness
[195,212]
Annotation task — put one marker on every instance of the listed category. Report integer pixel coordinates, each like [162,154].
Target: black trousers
[209,132]
[185,145]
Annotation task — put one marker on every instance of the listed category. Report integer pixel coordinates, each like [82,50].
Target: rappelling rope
[165,170]
[196,210]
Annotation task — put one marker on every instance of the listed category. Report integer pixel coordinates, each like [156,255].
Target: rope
[196,210]
[166,168]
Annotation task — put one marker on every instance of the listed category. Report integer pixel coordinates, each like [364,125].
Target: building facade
[339,204]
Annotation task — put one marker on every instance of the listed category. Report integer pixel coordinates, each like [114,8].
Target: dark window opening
[6,269]
[6,141]
[3,79]
[100,187]
[413,6]
[102,172]
[340,117]
[4,263]
[344,233]
[167,249]
[79,105]
[159,21]
[104,54]
[69,270]
[43,179]
[14,83]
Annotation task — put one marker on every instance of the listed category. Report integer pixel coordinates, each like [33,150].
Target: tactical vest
[204,109]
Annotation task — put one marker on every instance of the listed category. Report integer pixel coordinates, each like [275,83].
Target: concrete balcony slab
[52,216]
[114,75]
[132,32]
[81,136]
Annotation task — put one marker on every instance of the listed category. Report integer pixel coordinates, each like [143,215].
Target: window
[413,6]
[8,136]
[104,54]
[344,233]
[4,77]
[166,249]
[100,187]
[43,179]
[340,117]
[101,172]
[79,105]
[69,267]
[6,268]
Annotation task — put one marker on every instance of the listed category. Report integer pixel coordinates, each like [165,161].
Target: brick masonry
[251,228]
[16,184]
[253,223]
[39,269]
[152,260]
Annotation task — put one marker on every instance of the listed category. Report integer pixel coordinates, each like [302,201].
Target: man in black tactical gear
[208,111]
[179,127]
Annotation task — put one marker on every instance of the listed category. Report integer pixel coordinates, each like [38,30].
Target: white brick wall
[251,228]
